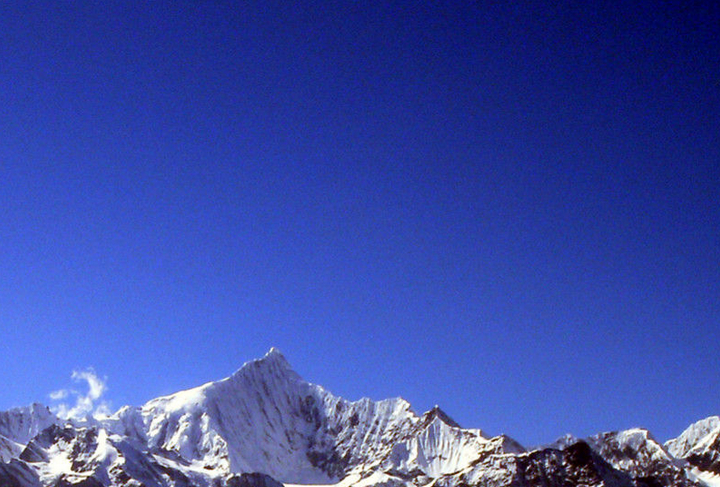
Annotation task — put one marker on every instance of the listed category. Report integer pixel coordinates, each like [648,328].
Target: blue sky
[508,210]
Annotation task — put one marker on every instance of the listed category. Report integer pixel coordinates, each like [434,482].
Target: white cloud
[59,395]
[95,384]
[88,404]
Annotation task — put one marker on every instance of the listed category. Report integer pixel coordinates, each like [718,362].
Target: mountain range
[265,426]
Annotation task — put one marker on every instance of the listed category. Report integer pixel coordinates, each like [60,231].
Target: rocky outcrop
[265,426]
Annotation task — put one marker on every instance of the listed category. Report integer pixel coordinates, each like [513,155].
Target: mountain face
[699,445]
[264,427]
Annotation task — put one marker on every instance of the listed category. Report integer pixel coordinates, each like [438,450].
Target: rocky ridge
[265,426]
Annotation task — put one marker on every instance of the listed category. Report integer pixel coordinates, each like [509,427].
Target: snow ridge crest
[265,424]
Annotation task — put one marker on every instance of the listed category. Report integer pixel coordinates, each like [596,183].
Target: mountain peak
[694,436]
[436,412]
[264,423]
[275,357]
[274,353]
[272,363]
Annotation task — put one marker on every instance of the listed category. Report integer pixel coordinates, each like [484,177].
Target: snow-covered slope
[21,424]
[265,418]
[258,420]
[265,424]
[699,445]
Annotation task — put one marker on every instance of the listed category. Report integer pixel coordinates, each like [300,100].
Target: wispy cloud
[59,395]
[86,404]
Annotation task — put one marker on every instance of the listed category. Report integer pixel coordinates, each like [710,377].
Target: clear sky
[511,210]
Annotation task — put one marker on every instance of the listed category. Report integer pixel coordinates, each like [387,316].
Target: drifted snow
[709,479]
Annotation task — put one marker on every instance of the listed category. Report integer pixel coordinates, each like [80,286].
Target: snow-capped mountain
[266,426]
[699,445]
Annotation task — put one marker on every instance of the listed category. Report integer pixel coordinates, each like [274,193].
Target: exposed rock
[264,425]
[252,480]
[18,474]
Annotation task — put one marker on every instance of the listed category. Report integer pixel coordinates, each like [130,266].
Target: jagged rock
[265,426]
[87,482]
[253,480]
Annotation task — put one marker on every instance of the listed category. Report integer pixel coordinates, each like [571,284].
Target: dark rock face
[576,465]
[709,458]
[88,482]
[329,461]
[436,412]
[33,454]
[579,464]
[252,480]
[43,440]
[18,474]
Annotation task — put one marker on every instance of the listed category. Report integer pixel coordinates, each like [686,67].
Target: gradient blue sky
[511,210]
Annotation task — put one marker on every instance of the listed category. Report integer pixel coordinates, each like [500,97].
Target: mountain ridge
[265,425]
